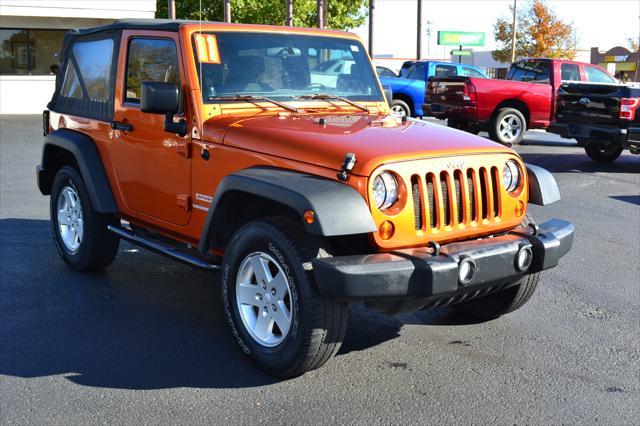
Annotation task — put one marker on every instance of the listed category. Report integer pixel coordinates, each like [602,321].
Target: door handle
[120,125]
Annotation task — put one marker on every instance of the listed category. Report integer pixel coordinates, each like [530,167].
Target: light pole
[227,11]
[419,37]
[171,9]
[289,13]
[372,7]
[320,11]
[513,32]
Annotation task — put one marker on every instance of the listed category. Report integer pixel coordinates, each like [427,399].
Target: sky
[598,23]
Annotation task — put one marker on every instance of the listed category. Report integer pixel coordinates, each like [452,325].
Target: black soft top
[139,24]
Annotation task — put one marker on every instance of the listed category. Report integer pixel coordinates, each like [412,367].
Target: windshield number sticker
[207,49]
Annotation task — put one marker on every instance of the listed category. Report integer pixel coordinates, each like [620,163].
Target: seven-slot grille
[450,198]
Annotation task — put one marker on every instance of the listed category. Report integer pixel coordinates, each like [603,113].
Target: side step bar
[166,250]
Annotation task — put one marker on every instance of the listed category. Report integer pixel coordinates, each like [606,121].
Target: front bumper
[596,132]
[418,274]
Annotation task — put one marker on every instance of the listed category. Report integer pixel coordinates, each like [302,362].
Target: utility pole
[320,12]
[325,13]
[513,31]
[227,11]
[372,8]
[289,13]
[171,9]
[419,36]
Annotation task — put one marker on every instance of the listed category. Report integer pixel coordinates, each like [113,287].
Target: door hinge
[184,201]
[184,148]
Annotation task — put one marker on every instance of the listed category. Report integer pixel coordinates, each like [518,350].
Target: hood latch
[347,165]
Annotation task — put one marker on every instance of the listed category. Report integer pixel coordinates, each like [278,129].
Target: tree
[342,14]
[539,33]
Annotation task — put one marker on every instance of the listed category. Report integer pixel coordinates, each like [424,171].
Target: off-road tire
[603,153]
[98,246]
[399,103]
[505,301]
[318,323]
[494,126]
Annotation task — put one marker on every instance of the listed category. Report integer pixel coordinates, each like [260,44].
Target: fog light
[466,270]
[524,258]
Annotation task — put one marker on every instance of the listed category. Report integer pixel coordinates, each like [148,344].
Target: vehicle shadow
[579,162]
[145,322]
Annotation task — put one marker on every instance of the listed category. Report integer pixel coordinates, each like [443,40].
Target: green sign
[460,38]
[460,53]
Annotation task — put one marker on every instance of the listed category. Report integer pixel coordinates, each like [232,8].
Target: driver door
[152,165]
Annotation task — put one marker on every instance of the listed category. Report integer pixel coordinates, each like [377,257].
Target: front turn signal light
[386,230]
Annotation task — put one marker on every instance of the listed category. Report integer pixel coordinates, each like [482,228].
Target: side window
[594,75]
[446,71]
[470,72]
[535,71]
[570,72]
[94,60]
[150,59]
[71,84]
[417,72]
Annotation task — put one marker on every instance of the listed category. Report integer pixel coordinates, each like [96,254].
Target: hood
[324,140]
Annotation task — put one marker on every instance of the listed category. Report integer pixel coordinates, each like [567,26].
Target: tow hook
[347,165]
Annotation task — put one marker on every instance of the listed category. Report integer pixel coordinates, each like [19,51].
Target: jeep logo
[584,101]
[455,165]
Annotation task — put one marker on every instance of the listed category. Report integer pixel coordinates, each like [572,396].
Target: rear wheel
[272,303]
[80,233]
[603,152]
[508,126]
[400,108]
[504,301]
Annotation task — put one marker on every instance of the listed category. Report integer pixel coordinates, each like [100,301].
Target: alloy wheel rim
[70,218]
[263,299]
[398,111]
[510,127]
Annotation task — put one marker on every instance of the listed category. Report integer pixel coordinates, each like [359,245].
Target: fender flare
[339,209]
[89,164]
[543,188]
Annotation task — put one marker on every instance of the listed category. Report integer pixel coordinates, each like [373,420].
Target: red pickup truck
[507,108]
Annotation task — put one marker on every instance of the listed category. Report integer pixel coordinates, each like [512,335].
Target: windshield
[283,67]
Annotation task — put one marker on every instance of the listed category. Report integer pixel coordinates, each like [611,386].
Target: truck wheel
[504,301]
[271,301]
[400,108]
[603,152]
[80,233]
[508,126]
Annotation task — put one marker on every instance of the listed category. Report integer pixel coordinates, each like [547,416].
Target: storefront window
[29,52]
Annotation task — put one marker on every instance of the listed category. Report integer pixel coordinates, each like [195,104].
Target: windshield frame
[376,95]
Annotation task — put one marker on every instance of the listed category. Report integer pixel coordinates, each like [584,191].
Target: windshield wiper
[253,99]
[326,97]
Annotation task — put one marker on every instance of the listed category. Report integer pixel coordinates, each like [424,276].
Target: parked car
[603,118]
[211,145]
[507,108]
[326,73]
[409,90]
[385,72]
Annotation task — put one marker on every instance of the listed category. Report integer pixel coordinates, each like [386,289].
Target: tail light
[628,108]
[469,93]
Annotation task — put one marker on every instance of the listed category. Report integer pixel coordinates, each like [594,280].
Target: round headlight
[511,176]
[385,190]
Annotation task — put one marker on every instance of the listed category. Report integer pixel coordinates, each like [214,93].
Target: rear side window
[417,72]
[85,84]
[570,72]
[470,72]
[446,71]
[150,59]
[534,71]
[594,75]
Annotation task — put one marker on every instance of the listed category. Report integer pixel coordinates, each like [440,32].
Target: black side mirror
[157,97]
[388,93]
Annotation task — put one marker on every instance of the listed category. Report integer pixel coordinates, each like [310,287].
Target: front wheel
[508,126]
[603,153]
[399,108]
[271,301]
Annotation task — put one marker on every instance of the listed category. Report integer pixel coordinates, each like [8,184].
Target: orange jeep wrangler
[270,154]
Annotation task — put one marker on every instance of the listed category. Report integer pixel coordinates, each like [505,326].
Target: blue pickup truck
[409,88]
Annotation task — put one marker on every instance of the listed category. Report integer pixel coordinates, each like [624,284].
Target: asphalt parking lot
[146,342]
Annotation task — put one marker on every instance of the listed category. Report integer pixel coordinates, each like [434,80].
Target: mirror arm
[180,128]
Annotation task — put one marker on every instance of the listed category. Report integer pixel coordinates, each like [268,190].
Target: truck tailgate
[592,103]
[447,91]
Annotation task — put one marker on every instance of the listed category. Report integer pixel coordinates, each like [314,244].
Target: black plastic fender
[88,160]
[339,209]
[543,188]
